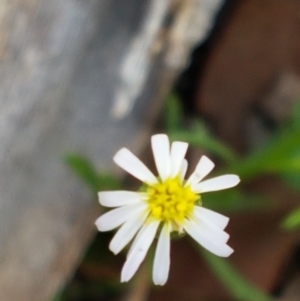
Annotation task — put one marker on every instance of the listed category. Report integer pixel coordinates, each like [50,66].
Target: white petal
[218,183]
[161,152]
[178,151]
[135,241]
[203,168]
[137,255]
[215,218]
[161,264]
[125,234]
[211,230]
[216,247]
[118,198]
[183,169]
[129,162]
[117,217]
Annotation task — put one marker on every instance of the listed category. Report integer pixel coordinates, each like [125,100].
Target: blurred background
[82,78]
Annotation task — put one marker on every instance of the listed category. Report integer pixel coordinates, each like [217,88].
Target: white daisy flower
[166,203]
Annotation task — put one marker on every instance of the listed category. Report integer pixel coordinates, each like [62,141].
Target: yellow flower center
[170,201]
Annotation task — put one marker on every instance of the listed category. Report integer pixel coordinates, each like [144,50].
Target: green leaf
[235,283]
[233,200]
[199,136]
[274,158]
[292,220]
[172,113]
[292,179]
[280,155]
[59,296]
[108,182]
[291,174]
[86,172]
[295,117]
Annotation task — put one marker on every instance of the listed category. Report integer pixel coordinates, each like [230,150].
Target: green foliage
[196,135]
[58,297]
[279,156]
[234,200]
[234,282]
[292,220]
[173,113]
[97,254]
[87,173]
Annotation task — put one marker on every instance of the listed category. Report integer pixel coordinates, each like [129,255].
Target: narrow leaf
[235,283]
[86,172]
[292,220]
[172,113]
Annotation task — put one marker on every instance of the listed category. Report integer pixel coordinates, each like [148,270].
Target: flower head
[166,203]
